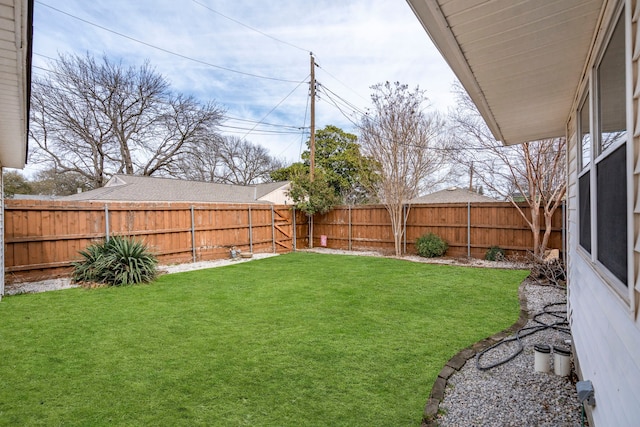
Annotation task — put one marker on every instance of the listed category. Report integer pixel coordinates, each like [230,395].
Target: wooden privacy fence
[42,238]
[469,229]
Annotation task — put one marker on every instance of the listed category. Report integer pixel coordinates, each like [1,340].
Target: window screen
[612,212]
[584,188]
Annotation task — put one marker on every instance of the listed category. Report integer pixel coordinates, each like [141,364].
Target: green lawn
[298,339]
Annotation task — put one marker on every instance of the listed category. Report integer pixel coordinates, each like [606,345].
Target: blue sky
[356,43]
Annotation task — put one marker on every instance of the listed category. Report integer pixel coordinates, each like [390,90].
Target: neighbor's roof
[132,188]
[520,60]
[16,23]
[452,195]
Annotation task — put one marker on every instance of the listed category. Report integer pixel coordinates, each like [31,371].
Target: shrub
[495,253]
[119,261]
[431,245]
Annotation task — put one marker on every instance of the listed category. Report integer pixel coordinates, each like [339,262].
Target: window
[584,183]
[602,162]
[611,91]
[584,200]
[585,133]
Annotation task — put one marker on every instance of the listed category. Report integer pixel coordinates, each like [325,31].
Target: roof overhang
[521,61]
[16,23]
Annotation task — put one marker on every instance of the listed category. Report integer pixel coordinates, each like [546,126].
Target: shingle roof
[452,195]
[149,189]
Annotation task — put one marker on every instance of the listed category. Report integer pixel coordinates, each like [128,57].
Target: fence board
[491,224]
[42,238]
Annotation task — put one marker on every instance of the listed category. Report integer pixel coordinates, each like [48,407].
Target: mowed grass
[299,339]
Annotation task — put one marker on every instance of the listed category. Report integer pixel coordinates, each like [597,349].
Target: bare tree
[403,140]
[245,163]
[532,173]
[201,160]
[97,118]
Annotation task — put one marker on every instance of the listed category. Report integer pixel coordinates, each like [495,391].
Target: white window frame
[591,92]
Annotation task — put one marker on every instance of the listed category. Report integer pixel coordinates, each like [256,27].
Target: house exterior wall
[603,315]
[1,232]
[279,196]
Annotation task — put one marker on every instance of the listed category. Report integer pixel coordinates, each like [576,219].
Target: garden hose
[562,325]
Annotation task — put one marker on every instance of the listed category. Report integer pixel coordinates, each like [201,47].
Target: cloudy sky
[252,57]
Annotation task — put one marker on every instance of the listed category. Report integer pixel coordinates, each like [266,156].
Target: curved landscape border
[454,364]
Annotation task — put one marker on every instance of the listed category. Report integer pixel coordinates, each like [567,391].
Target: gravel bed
[65,282]
[513,394]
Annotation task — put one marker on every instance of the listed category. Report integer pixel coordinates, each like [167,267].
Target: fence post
[273,230]
[295,237]
[250,232]
[349,227]
[193,235]
[468,229]
[106,222]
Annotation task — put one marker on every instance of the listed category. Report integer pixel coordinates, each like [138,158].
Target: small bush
[119,261]
[495,253]
[431,245]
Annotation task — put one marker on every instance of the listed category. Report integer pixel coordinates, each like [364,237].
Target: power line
[285,129]
[261,131]
[179,55]
[276,106]
[250,27]
[342,83]
[264,123]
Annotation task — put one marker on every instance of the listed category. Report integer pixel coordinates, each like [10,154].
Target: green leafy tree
[315,196]
[289,173]
[52,183]
[337,153]
[338,158]
[15,183]
[312,196]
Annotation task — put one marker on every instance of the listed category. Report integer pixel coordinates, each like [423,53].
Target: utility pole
[312,138]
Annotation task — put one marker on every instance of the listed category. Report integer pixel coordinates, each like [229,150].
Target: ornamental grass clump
[431,245]
[116,262]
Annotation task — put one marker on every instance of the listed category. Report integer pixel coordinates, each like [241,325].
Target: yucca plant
[89,268]
[119,261]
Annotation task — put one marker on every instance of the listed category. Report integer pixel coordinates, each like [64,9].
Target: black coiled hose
[562,325]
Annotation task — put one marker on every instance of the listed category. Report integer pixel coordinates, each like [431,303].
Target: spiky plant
[119,261]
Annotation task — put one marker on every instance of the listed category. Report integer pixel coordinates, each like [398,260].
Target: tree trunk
[395,214]
[548,217]
[535,229]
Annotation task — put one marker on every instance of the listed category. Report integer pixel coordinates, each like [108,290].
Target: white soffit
[520,60]
[15,36]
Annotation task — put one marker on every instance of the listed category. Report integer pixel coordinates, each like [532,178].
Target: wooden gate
[283,229]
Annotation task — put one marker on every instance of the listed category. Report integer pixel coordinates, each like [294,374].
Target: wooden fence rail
[469,229]
[42,238]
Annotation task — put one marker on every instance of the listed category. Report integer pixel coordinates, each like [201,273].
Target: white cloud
[358,42]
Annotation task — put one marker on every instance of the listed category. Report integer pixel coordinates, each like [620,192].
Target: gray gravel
[65,282]
[513,394]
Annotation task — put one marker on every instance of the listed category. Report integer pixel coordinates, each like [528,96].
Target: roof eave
[435,24]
